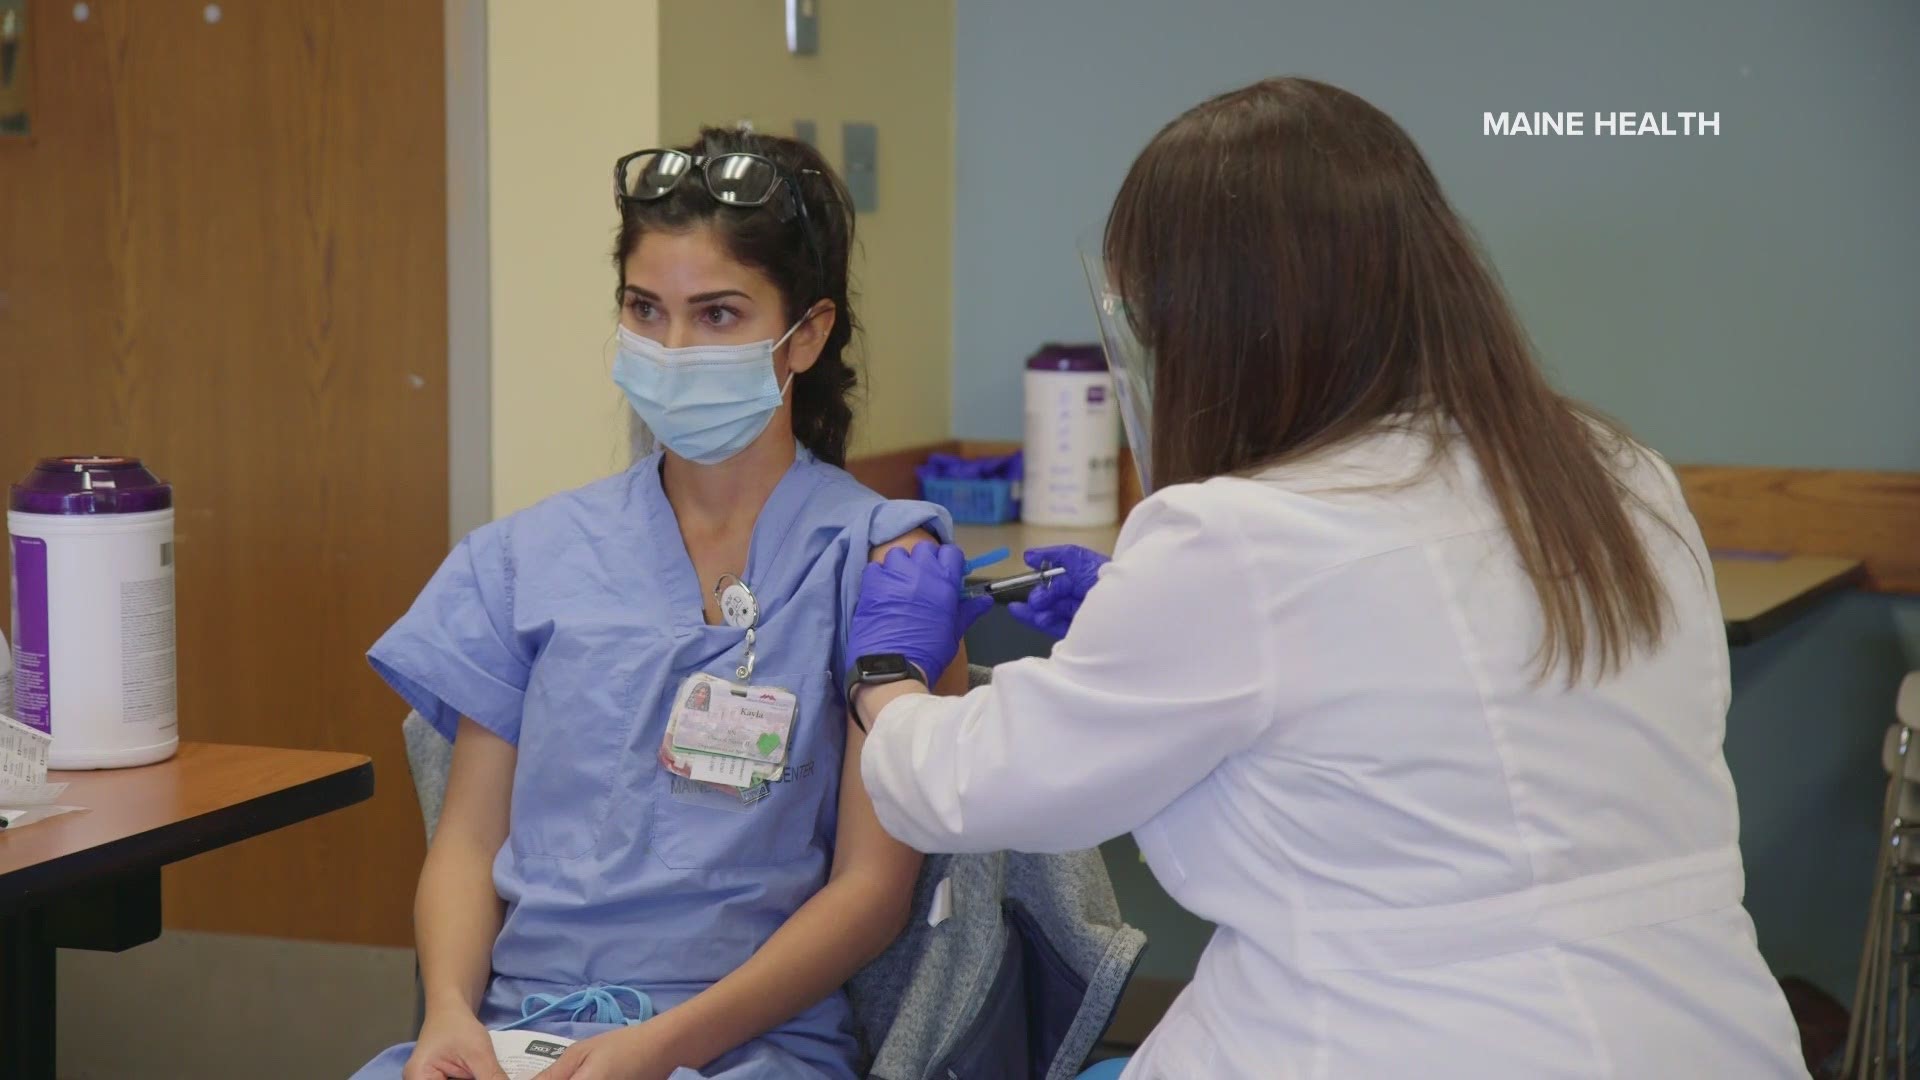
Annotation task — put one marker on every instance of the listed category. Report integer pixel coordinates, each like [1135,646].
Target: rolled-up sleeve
[1162,676]
[455,652]
[888,521]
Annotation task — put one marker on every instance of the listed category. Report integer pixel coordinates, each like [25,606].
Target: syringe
[1012,588]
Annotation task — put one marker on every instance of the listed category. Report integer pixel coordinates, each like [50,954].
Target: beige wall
[570,87]
[885,62]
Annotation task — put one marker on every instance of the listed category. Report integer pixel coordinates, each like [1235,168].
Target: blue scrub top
[565,629]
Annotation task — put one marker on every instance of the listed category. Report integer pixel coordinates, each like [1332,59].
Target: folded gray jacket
[1018,982]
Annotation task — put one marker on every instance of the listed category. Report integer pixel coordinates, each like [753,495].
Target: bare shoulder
[905,540]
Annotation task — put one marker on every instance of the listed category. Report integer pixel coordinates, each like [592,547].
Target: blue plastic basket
[974,502]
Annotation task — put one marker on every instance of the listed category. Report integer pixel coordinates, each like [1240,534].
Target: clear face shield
[1127,358]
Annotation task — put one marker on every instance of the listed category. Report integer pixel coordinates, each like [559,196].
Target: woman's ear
[803,348]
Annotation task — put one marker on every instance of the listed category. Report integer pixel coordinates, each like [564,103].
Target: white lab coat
[1313,706]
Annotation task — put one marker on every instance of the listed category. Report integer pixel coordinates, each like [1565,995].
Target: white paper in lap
[526,1054]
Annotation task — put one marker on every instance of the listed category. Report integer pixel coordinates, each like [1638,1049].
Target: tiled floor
[216,1006]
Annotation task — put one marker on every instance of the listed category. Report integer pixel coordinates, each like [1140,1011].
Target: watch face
[883,665]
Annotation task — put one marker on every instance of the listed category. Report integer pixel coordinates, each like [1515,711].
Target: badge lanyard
[733,735]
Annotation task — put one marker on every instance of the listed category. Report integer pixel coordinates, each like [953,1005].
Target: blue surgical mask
[705,402]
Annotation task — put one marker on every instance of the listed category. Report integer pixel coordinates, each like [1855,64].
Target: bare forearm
[833,935]
[870,701]
[456,917]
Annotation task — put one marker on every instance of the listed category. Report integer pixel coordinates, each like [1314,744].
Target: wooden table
[1759,592]
[91,880]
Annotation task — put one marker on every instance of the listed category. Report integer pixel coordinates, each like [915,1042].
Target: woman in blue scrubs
[581,874]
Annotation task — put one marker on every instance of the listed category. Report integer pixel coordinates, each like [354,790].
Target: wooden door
[223,249]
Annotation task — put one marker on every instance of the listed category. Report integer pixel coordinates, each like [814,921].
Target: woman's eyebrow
[643,294]
[709,297]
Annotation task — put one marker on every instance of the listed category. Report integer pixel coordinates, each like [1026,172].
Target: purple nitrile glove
[910,604]
[1050,607]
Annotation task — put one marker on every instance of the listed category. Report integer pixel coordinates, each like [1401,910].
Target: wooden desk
[91,880]
[1759,593]
[1017,538]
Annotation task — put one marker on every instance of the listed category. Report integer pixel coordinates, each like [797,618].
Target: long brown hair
[1288,257]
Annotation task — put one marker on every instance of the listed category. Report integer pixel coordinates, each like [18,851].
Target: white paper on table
[23,751]
[527,1054]
[27,815]
[15,794]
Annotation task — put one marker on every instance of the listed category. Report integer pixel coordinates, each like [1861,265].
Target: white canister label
[1072,449]
[148,677]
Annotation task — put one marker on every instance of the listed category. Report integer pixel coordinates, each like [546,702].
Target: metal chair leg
[1862,1054]
[1904,942]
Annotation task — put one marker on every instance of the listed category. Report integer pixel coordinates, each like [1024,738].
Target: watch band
[877,670]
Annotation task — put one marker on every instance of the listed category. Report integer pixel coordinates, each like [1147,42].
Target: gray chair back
[428,758]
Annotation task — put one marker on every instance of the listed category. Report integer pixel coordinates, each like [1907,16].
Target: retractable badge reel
[742,612]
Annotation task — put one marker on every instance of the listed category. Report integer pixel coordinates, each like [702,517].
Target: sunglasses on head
[736,179]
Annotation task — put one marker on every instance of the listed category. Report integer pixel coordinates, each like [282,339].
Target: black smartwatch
[875,670]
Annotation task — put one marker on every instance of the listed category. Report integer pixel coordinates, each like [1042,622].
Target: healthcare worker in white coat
[1409,674]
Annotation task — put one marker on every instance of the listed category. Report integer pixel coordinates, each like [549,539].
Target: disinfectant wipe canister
[1073,439]
[93,629]
[6,677]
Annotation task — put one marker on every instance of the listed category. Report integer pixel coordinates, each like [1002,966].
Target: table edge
[1771,621]
[179,840]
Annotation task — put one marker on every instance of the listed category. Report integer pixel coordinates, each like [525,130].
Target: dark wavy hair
[774,240]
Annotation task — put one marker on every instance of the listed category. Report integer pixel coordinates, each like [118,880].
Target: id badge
[726,734]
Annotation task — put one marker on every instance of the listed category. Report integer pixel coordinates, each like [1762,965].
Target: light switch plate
[803,27]
[860,164]
[807,132]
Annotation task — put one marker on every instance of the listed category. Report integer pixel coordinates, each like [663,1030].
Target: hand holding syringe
[1048,598]
[1007,589]
[1012,588]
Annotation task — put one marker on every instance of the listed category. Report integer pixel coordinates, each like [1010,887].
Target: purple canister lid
[1052,357]
[90,485]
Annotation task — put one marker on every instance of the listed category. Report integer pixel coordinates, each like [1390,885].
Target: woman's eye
[719,315]
[642,309]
